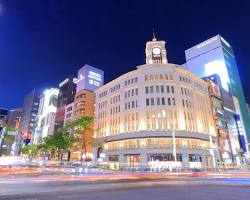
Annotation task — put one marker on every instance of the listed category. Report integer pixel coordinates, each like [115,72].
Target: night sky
[44,41]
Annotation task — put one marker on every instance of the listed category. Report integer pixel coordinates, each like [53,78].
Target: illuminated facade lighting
[158,114]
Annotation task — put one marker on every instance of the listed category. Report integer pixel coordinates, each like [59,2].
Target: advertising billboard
[241,133]
[89,78]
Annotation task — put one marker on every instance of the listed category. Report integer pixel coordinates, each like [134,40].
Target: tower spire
[154,38]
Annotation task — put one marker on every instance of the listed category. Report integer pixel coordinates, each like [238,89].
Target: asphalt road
[192,189]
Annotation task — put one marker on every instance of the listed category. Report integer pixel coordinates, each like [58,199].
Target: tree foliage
[75,132]
[30,149]
[8,141]
[57,143]
[79,129]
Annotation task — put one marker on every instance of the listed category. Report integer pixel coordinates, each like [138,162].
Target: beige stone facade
[157,116]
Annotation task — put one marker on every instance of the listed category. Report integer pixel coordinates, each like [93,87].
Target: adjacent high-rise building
[29,113]
[88,80]
[45,120]
[226,125]
[157,116]
[14,118]
[67,90]
[3,117]
[3,121]
[216,56]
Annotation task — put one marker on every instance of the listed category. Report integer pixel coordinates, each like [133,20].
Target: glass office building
[215,56]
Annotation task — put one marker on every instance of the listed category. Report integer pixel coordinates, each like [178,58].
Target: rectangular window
[152,102]
[133,92]
[169,101]
[172,88]
[183,103]
[136,91]
[146,90]
[147,102]
[133,104]
[151,89]
[162,89]
[69,108]
[163,101]
[168,90]
[158,101]
[173,99]
[157,89]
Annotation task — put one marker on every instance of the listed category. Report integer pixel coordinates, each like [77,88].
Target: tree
[31,150]
[80,129]
[57,143]
[62,141]
[8,141]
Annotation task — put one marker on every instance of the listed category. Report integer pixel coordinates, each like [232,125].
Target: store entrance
[133,161]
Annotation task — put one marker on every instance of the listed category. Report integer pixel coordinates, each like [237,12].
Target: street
[41,187]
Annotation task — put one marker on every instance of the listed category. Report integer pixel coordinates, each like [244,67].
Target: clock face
[156,51]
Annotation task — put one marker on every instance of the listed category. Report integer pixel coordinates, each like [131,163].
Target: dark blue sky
[43,41]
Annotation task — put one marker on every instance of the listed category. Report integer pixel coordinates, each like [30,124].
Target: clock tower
[156,52]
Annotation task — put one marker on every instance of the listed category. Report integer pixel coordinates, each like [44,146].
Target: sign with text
[89,78]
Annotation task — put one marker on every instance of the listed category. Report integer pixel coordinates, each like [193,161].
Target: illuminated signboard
[89,78]
[64,82]
[207,42]
[240,133]
[218,67]
[1,131]
[215,89]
